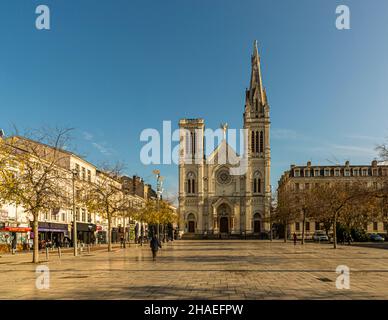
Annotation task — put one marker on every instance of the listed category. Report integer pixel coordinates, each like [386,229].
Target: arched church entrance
[191,223]
[224,214]
[256,223]
[224,225]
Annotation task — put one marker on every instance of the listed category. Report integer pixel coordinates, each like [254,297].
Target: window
[297,173]
[83,215]
[375,226]
[191,183]
[297,226]
[356,172]
[77,169]
[63,216]
[77,214]
[257,142]
[364,172]
[327,172]
[317,173]
[89,217]
[375,172]
[253,141]
[307,226]
[347,173]
[89,176]
[261,141]
[337,172]
[307,173]
[317,226]
[256,182]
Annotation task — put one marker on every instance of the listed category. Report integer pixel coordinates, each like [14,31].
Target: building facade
[212,199]
[300,178]
[57,223]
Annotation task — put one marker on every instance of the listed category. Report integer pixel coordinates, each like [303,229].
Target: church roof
[224,154]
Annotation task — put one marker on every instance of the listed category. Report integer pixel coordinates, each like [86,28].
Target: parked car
[376,238]
[320,236]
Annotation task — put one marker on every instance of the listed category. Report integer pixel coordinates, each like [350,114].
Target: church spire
[256,85]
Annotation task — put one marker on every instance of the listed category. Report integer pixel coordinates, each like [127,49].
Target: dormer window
[364,172]
[356,172]
[347,173]
[317,172]
[327,172]
[307,173]
[337,172]
[297,172]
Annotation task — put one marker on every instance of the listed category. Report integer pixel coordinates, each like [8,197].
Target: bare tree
[105,196]
[38,181]
[285,211]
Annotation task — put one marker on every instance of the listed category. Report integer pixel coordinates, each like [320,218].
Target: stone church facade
[212,201]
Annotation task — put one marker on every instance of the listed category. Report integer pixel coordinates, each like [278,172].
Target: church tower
[257,124]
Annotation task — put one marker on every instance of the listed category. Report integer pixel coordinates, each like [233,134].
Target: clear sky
[113,68]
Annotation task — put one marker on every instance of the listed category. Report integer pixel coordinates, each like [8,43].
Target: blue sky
[113,68]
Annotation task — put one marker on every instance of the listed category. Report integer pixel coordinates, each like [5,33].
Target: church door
[191,226]
[224,225]
[256,226]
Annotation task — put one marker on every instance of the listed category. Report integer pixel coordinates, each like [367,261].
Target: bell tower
[257,124]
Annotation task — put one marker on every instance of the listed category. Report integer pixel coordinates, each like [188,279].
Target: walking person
[295,239]
[13,243]
[155,245]
[122,241]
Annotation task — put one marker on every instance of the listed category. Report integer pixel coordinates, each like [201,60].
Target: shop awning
[15,229]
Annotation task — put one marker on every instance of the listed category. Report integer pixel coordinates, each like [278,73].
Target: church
[213,202]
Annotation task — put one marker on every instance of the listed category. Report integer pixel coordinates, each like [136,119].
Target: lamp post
[159,191]
[74,173]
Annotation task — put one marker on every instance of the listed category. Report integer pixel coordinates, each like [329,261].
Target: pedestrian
[295,238]
[349,239]
[155,245]
[13,243]
[122,242]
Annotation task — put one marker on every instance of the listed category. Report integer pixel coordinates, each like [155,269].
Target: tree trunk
[303,225]
[285,231]
[35,229]
[109,234]
[335,231]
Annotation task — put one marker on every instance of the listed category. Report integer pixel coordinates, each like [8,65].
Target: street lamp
[74,174]
[159,191]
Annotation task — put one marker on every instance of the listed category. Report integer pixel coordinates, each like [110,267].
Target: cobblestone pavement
[203,270]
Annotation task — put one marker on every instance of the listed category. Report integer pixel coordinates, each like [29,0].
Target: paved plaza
[203,270]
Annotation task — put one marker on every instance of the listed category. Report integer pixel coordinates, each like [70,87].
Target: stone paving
[203,270]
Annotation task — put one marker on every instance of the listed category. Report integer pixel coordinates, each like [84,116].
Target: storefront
[7,233]
[86,232]
[50,231]
[115,235]
[101,235]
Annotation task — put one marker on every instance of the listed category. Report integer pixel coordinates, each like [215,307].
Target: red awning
[15,229]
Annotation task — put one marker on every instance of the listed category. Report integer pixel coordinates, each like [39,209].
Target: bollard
[47,253]
[59,252]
